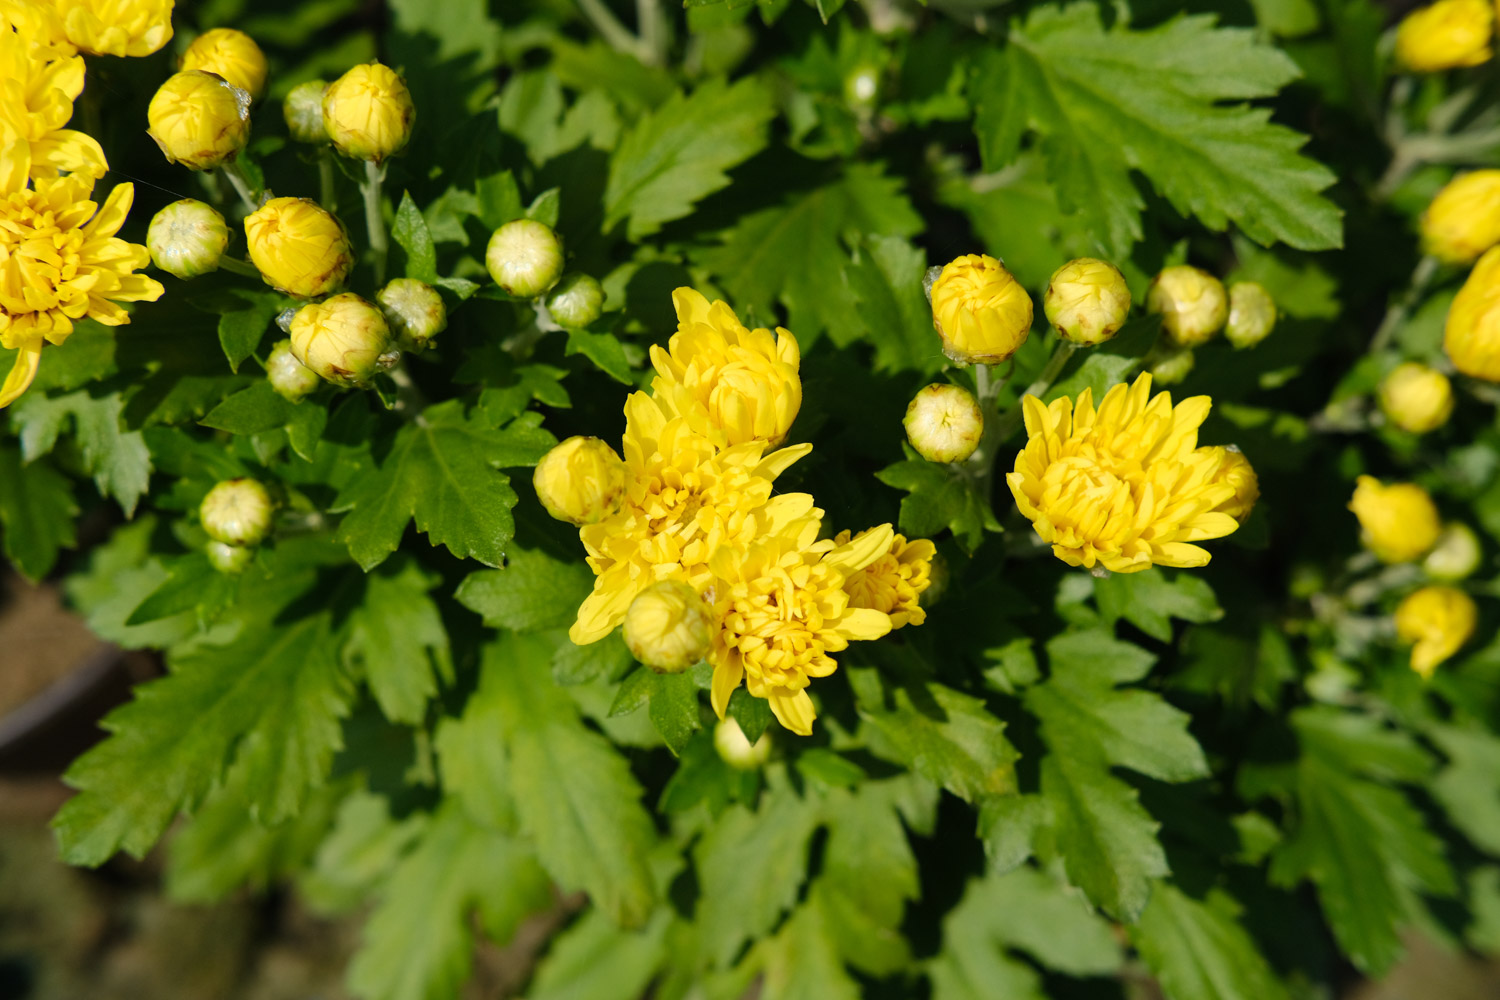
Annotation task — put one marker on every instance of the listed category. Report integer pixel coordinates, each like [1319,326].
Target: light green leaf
[117,459]
[1150,601]
[363,846]
[1199,951]
[1468,788]
[533,592]
[802,961]
[37,511]
[410,233]
[395,637]
[605,351]
[594,959]
[241,330]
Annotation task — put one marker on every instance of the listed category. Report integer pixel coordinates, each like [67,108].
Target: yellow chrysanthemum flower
[38,22]
[1416,398]
[895,581]
[117,27]
[299,247]
[1463,219]
[1399,522]
[59,262]
[1445,35]
[781,608]
[580,481]
[980,310]
[230,54]
[1438,621]
[1124,486]
[38,84]
[730,384]
[1471,334]
[684,499]
[1237,472]
[368,112]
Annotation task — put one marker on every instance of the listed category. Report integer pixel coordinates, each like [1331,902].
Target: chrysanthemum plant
[555,326]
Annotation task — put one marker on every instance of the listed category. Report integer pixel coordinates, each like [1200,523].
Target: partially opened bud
[1191,303]
[1252,314]
[576,301]
[1463,220]
[735,748]
[1399,522]
[187,238]
[303,111]
[1087,300]
[980,310]
[199,120]
[580,481]
[1471,335]
[525,258]
[414,310]
[944,423]
[1438,621]
[237,512]
[115,27]
[230,54]
[291,379]
[1236,472]
[1456,555]
[668,627]
[1445,35]
[368,112]
[343,339]
[1416,398]
[228,559]
[298,247]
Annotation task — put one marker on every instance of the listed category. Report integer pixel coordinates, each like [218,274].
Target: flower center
[39,259]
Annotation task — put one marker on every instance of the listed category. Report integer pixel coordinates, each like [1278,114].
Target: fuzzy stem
[615,33]
[241,185]
[374,222]
[239,267]
[1398,310]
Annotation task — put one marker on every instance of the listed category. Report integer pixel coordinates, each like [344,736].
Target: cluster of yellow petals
[115,27]
[1125,486]
[1437,621]
[39,82]
[895,581]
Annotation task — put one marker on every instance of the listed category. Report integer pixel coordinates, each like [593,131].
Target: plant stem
[1039,387]
[241,185]
[615,33]
[1397,312]
[652,29]
[327,193]
[239,267]
[374,221]
[980,466]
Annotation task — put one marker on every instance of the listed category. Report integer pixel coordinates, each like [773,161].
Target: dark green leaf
[117,459]
[396,635]
[36,510]
[533,592]
[411,234]
[1199,951]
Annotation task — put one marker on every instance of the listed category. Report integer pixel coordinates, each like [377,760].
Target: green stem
[327,193]
[1039,387]
[980,466]
[1397,312]
[374,221]
[241,185]
[615,33]
[652,28]
[239,267]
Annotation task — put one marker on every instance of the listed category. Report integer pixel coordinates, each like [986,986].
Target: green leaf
[410,233]
[194,585]
[118,573]
[117,459]
[608,659]
[674,709]
[802,961]
[939,497]
[885,282]
[677,155]
[37,511]
[258,408]
[1008,824]
[596,958]
[357,854]
[1199,951]
[396,635]
[1109,364]
[442,473]
[533,592]
[1149,600]
[752,713]
[605,351]
[1468,788]
[1106,102]
[241,330]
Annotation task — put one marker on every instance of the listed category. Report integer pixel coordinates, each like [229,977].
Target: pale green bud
[525,258]
[1191,302]
[414,310]
[288,376]
[944,423]
[228,559]
[1252,314]
[303,110]
[187,238]
[667,627]
[237,512]
[1456,555]
[575,301]
[1171,366]
[735,748]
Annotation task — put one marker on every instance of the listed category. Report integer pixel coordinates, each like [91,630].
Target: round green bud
[667,627]
[237,512]
[414,311]
[525,258]
[344,339]
[230,560]
[1456,555]
[944,423]
[187,238]
[1171,366]
[575,301]
[736,750]
[1252,314]
[288,376]
[1191,302]
[303,110]
[1087,301]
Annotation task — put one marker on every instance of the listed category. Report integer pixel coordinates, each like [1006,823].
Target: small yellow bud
[230,54]
[298,247]
[228,559]
[1438,621]
[368,112]
[1463,220]
[1191,303]
[343,339]
[1456,555]
[580,481]
[1416,398]
[1252,314]
[667,627]
[576,301]
[525,258]
[1445,35]
[1471,335]
[236,512]
[1087,301]
[1170,366]
[288,376]
[187,238]
[303,111]
[944,423]
[1237,472]
[735,748]
[980,310]
[116,27]
[199,120]
[414,310]
[1399,522]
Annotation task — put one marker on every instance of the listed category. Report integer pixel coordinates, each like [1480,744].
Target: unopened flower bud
[199,120]
[1456,555]
[575,301]
[1170,366]
[230,54]
[368,112]
[980,310]
[1191,303]
[735,748]
[667,627]
[1463,219]
[1416,398]
[298,247]
[303,111]
[187,238]
[291,379]
[237,512]
[580,481]
[1252,314]
[1236,472]
[1445,35]
[944,423]
[1471,335]
[230,560]
[1438,621]
[414,310]
[1087,301]
[525,258]
[343,339]
[1399,523]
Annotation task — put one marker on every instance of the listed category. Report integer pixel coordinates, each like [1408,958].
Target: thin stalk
[980,466]
[327,193]
[239,267]
[652,28]
[614,33]
[241,185]
[1039,387]
[374,221]
[1397,312]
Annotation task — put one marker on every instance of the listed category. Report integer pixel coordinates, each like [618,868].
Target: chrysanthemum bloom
[117,27]
[781,609]
[980,310]
[580,481]
[1438,620]
[1471,335]
[1252,314]
[1456,555]
[230,54]
[1191,302]
[60,261]
[199,119]
[944,423]
[1446,35]
[667,627]
[368,112]
[1124,486]
[344,339]
[730,384]
[1399,523]
[895,581]
[38,23]
[1237,472]
[38,84]
[1087,301]
[1416,398]
[1463,219]
[298,247]
[684,499]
